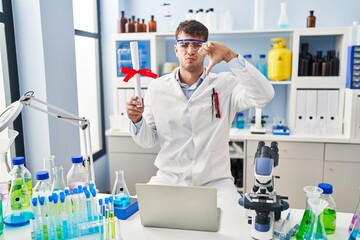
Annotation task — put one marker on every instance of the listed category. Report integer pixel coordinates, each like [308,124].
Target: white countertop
[233,226]
[244,134]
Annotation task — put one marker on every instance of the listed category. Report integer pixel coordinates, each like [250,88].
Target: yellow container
[279,60]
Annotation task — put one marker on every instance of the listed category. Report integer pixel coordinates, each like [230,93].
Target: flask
[18,210]
[6,139]
[43,186]
[283,21]
[122,22]
[152,24]
[240,122]
[305,225]
[279,61]
[311,20]
[58,183]
[259,14]
[262,65]
[356,216]
[330,210]
[77,174]
[211,20]
[190,15]
[120,191]
[227,22]
[49,163]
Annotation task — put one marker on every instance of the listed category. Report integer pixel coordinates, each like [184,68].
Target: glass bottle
[122,22]
[6,139]
[311,20]
[283,21]
[143,25]
[305,225]
[18,210]
[355,217]
[131,26]
[77,175]
[137,25]
[43,185]
[58,183]
[240,122]
[330,210]
[262,65]
[152,24]
[120,191]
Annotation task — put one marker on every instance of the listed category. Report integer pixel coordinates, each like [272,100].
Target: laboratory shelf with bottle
[298,100]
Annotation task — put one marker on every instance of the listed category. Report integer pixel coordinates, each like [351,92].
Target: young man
[189,112]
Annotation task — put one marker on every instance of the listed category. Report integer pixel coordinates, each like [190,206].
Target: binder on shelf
[311,122]
[321,114]
[300,111]
[121,99]
[353,67]
[332,121]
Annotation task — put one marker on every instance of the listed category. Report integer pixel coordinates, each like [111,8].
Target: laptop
[190,208]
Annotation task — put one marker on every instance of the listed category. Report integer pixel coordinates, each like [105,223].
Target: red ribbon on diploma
[131,72]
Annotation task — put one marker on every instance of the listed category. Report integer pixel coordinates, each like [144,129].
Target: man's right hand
[133,111]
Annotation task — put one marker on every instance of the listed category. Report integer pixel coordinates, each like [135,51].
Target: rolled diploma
[135,63]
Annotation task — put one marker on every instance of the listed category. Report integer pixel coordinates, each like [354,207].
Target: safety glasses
[185,43]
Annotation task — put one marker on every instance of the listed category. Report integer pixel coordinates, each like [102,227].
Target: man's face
[187,52]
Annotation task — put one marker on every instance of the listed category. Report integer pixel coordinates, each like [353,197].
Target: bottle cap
[262,55]
[42,175]
[18,160]
[326,187]
[247,56]
[77,159]
[240,114]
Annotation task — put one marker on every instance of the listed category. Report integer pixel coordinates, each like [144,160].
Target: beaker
[310,192]
[58,183]
[6,139]
[120,190]
[317,229]
[49,163]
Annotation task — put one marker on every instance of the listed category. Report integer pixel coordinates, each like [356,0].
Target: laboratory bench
[233,225]
[303,160]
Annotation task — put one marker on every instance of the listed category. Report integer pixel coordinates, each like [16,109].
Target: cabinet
[300,164]
[342,169]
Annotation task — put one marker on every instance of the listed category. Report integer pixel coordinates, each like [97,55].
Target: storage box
[353,67]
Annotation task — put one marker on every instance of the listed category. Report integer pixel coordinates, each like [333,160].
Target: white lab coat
[194,145]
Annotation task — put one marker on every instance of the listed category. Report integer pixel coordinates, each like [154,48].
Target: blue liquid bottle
[262,65]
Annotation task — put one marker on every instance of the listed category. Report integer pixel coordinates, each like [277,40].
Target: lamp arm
[28,99]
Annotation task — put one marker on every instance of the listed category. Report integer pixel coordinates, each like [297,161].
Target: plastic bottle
[240,122]
[200,16]
[227,22]
[259,14]
[283,21]
[356,216]
[190,15]
[18,210]
[262,65]
[311,20]
[43,185]
[211,20]
[122,22]
[248,58]
[279,60]
[330,210]
[77,175]
[152,24]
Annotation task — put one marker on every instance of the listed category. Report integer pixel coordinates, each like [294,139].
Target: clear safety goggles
[185,43]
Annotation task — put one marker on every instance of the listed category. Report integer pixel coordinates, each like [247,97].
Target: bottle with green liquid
[330,211]
[308,218]
[18,210]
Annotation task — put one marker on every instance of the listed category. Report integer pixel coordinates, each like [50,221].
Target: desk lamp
[28,99]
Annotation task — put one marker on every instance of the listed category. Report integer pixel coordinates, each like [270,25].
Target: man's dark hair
[193,28]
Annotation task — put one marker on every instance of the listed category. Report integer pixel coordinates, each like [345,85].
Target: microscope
[263,200]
